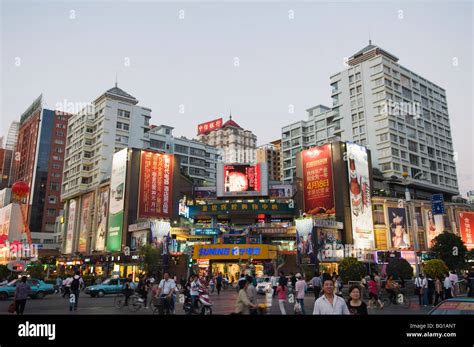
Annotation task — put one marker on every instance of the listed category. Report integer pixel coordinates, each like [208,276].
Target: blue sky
[190,61]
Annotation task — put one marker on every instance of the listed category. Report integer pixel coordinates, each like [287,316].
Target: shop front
[383,257]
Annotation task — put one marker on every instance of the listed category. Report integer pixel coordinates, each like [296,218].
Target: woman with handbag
[21,294]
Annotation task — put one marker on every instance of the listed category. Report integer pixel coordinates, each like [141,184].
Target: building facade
[271,154]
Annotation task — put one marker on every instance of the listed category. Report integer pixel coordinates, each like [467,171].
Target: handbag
[12,307]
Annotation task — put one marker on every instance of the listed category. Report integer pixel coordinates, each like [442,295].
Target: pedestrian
[274,283]
[59,283]
[243,304]
[282,279]
[329,303]
[469,278]
[77,285]
[391,287]
[67,286]
[438,290]
[242,278]
[425,290]
[453,277]
[219,283]
[194,290]
[127,289]
[374,291]
[22,291]
[316,283]
[269,298]
[301,288]
[431,289]
[355,304]
[282,292]
[419,288]
[339,285]
[212,284]
[293,280]
[166,290]
[252,295]
[448,286]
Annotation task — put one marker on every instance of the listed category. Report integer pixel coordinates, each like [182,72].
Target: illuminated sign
[242,180]
[205,231]
[241,251]
[239,207]
[204,128]
[466,224]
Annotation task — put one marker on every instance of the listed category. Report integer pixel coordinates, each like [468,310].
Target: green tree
[399,268]
[151,258]
[4,272]
[36,270]
[451,249]
[350,269]
[435,267]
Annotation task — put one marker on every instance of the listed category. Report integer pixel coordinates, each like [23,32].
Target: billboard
[156,184]
[84,226]
[434,226]
[102,208]
[242,180]
[318,188]
[117,200]
[466,226]
[359,196]
[304,241]
[399,237]
[280,191]
[71,220]
[160,235]
[209,126]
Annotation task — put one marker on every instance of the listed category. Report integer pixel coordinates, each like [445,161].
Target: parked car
[459,305]
[108,286]
[39,289]
[263,283]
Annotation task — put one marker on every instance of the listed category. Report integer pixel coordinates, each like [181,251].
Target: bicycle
[135,302]
[400,299]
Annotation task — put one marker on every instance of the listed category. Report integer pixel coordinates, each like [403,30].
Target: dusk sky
[72,51]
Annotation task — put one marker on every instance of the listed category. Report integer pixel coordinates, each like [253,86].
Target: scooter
[203,306]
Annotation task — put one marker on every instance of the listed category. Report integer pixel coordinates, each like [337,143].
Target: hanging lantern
[20,189]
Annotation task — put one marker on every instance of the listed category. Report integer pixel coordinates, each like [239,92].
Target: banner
[318,188]
[304,241]
[434,226]
[102,208]
[209,126]
[359,195]
[160,234]
[117,200]
[399,237]
[156,184]
[85,220]
[71,220]
[273,208]
[466,225]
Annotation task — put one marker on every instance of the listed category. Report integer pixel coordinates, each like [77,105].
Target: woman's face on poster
[398,231]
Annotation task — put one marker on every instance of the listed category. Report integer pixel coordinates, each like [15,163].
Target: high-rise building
[5,166]
[237,145]
[271,154]
[402,117]
[470,197]
[197,160]
[38,162]
[12,135]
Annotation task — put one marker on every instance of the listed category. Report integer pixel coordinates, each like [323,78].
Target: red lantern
[20,189]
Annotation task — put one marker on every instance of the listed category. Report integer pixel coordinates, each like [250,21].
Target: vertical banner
[117,200]
[160,233]
[434,226]
[305,242]
[85,220]
[399,237]
[318,180]
[359,195]
[71,220]
[466,225]
[102,208]
[156,184]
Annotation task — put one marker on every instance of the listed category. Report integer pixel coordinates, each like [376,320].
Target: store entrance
[232,271]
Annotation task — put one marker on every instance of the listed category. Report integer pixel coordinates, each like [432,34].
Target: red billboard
[241,178]
[156,184]
[318,181]
[209,126]
[466,225]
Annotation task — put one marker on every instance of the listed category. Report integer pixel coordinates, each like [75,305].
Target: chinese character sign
[466,225]
[156,182]
[209,126]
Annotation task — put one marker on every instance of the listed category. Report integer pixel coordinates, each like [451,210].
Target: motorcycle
[203,305]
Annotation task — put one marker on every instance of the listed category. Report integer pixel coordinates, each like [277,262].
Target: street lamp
[414,226]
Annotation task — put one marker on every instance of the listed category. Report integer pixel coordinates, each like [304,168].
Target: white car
[263,283]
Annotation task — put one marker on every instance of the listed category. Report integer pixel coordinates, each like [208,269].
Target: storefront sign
[466,225]
[399,237]
[205,231]
[233,252]
[139,226]
[327,223]
[156,184]
[265,230]
[204,128]
[179,231]
[235,240]
[318,188]
[240,207]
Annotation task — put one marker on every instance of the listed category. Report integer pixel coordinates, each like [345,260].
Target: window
[52,199]
[393,138]
[355,131]
[383,137]
[362,129]
[352,91]
[351,78]
[375,69]
[122,139]
[412,146]
[402,140]
[54,186]
[386,167]
[379,214]
[158,144]
[59,133]
[396,167]
[418,217]
[56,166]
[51,212]
[354,118]
[414,160]
[123,113]
[59,142]
[379,82]
[357,76]
[386,69]
[395,152]
[320,135]
[359,89]
[361,115]
[403,155]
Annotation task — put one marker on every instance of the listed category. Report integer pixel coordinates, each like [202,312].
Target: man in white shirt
[329,303]
[448,286]
[166,289]
[453,277]
[274,282]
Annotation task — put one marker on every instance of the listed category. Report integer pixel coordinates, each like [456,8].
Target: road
[222,304]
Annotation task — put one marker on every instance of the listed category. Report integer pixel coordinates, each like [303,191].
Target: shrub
[400,268]
[435,267]
[350,269]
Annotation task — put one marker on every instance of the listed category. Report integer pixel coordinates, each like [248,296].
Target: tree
[399,268]
[36,270]
[435,268]
[350,269]
[151,258]
[451,249]
[4,272]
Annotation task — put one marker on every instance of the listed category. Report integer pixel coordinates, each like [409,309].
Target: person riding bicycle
[392,288]
[127,289]
[166,289]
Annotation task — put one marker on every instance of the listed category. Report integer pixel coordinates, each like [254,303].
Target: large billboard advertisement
[304,241]
[85,221]
[434,226]
[160,234]
[102,209]
[117,201]
[466,226]
[204,128]
[156,184]
[71,220]
[399,237]
[242,180]
[359,195]
[318,180]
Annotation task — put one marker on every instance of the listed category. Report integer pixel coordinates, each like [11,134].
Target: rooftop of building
[116,92]
[369,51]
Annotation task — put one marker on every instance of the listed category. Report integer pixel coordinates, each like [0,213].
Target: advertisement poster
[466,225]
[280,191]
[318,180]
[138,239]
[434,226]
[71,220]
[329,242]
[84,227]
[156,184]
[209,126]
[359,195]
[117,201]
[304,241]
[399,237]
[160,235]
[241,178]
[102,208]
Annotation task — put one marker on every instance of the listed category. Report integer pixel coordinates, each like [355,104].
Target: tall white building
[402,117]
[12,136]
[197,160]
